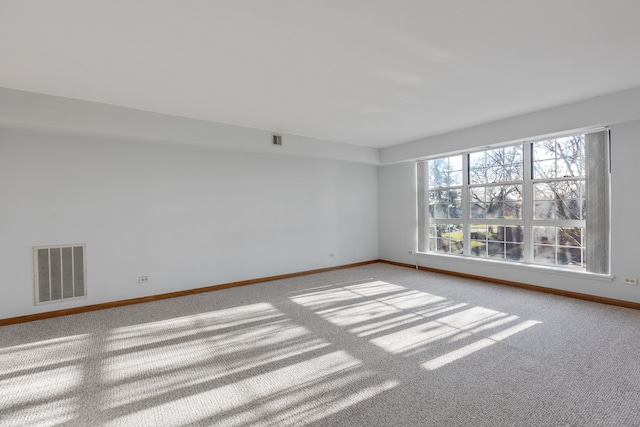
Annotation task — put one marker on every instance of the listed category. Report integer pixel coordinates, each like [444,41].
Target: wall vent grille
[59,273]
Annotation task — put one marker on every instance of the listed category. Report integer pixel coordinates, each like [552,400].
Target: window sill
[520,266]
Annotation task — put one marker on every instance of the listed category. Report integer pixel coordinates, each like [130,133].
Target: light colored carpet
[376,345]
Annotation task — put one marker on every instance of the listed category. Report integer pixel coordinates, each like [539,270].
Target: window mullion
[466,205]
[527,203]
[422,216]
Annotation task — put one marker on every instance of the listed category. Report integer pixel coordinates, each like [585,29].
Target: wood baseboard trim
[121,303]
[570,294]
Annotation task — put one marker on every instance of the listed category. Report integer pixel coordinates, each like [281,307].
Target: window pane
[476,160]
[438,210]
[543,191]
[514,154]
[445,203]
[449,238]
[478,210]
[477,176]
[495,250]
[515,173]
[559,200]
[512,192]
[570,236]
[559,246]
[570,147]
[492,157]
[514,233]
[568,166]
[571,209]
[479,248]
[497,241]
[494,174]
[513,251]
[433,239]
[544,210]
[455,210]
[477,194]
[495,209]
[544,150]
[559,158]
[544,248]
[493,193]
[568,189]
[544,169]
[544,235]
[455,163]
[445,172]
[493,233]
[496,165]
[437,195]
[455,178]
[569,256]
[512,207]
[502,201]
[478,234]
[543,254]
[478,231]
[438,173]
[478,207]
[512,210]
[506,163]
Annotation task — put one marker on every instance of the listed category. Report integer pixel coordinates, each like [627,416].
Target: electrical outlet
[630,281]
[331,255]
[410,251]
[144,279]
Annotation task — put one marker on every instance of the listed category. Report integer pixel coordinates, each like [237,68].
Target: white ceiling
[367,72]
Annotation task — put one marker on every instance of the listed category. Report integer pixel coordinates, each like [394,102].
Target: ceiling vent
[276,139]
[59,273]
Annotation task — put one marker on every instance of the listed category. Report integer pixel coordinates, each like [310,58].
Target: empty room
[323,213]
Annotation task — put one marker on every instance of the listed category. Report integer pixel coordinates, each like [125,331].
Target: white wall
[397,199]
[186,215]
[194,203]
[606,110]
[32,110]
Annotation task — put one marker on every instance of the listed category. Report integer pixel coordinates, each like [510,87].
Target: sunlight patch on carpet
[38,380]
[249,365]
[452,356]
[411,323]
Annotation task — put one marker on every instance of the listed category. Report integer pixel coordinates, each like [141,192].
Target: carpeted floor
[376,345]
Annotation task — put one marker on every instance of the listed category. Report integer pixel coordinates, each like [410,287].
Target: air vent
[60,273]
[277,139]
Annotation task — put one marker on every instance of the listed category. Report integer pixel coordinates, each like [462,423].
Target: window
[445,205]
[540,202]
[559,203]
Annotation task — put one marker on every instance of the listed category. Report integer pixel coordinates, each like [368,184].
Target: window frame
[527,220]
